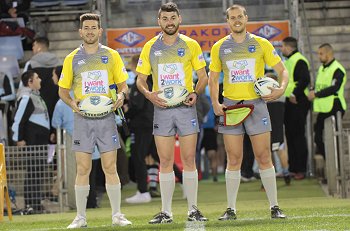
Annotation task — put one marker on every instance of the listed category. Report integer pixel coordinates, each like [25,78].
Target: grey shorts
[258,122]
[180,120]
[90,132]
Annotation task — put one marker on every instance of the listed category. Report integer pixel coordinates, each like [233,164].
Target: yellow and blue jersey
[92,74]
[171,64]
[242,63]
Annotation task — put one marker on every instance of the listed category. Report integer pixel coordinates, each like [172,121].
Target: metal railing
[39,177]
[337,147]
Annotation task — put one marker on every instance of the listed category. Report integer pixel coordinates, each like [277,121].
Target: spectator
[15,9]
[328,96]
[203,108]
[296,107]
[43,62]
[31,127]
[277,114]
[31,122]
[209,141]
[140,115]
[42,57]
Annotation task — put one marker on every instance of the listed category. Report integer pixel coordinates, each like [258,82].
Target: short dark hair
[236,6]
[26,76]
[90,16]
[43,41]
[169,7]
[58,71]
[291,42]
[327,45]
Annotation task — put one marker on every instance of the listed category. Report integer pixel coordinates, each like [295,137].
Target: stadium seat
[11,46]
[44,3]
[74,2]
[10,64]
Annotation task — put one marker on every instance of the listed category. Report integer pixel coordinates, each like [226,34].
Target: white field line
[190,225]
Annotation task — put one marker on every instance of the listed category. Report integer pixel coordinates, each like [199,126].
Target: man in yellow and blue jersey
[90,70]
[170,57]
[242,57]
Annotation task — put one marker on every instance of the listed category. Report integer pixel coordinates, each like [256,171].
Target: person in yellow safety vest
[297,106]
[328,95]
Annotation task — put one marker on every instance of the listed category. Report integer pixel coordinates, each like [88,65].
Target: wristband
[124,94]
[195,93]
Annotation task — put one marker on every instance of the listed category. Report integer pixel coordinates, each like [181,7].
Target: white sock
[233,179]
[114,195]
[190,184]
[268,179]
[167,186]
[81,195]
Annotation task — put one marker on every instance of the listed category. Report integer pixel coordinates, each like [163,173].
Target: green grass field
[306,205]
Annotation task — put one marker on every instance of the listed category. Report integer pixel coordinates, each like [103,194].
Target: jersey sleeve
[197,61]
[215,63]
[144,64]
[271,56]
[119,72]
[66,78]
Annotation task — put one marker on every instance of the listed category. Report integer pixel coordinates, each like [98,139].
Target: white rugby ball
[174,94]
[261,84]
[96,106]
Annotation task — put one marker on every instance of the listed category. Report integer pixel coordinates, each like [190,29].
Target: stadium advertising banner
[128,41]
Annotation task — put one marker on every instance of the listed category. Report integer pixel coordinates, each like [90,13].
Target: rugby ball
[96,106]
[261,84]
[174,95]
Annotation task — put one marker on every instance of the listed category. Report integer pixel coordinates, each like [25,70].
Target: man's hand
[21,143]
[191,99]
[153,97]
[275,94]
[119,102]
[74,105]
[311,95]
[219,109]
[293,99]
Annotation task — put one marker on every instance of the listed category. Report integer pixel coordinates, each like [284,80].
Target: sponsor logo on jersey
[181,52]
[267,31]
[170,68]
[139,63]
[104,59]
[130,38]
[241,64]
[251,48]
[94,75]
[77,142]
